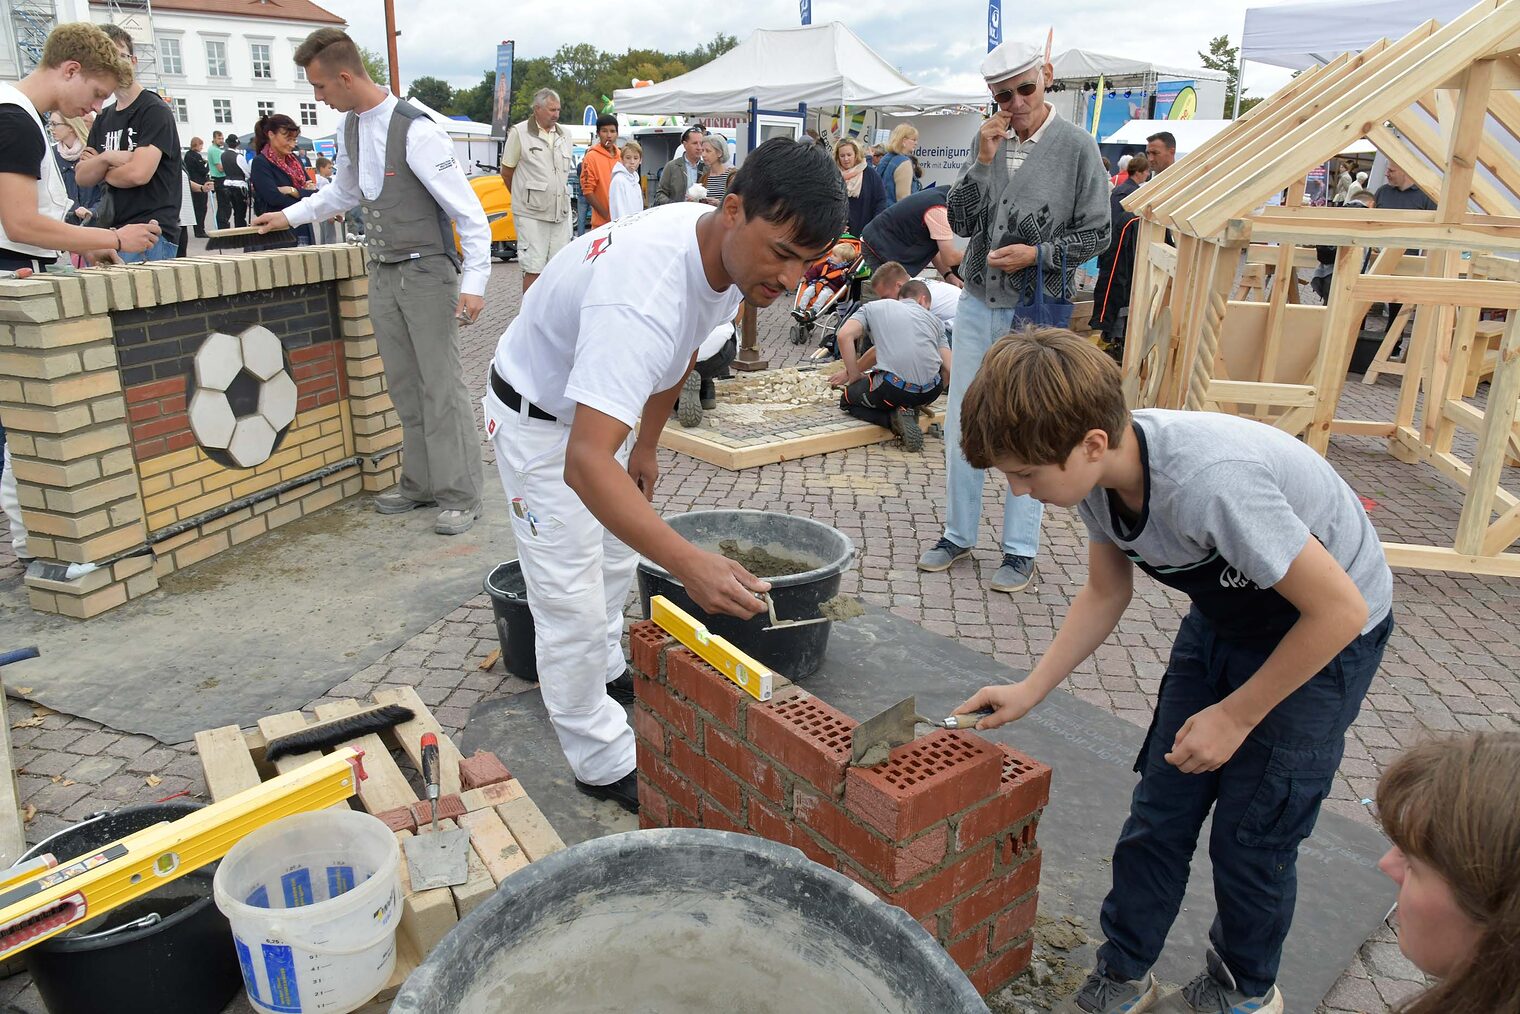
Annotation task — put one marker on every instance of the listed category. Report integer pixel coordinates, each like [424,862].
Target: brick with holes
[892,863]
[705,686]
[737,758]
[806,737]
[922,782]
[1023,789]
[646,644]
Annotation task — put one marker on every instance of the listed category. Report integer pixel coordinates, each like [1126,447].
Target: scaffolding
[31,21]
[136,16]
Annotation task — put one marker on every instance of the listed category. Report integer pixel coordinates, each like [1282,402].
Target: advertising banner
[501,108]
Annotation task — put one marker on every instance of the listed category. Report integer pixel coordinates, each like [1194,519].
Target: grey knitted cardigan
[1057,200]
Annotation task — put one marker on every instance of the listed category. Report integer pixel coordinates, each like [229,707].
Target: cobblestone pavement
[1449,666]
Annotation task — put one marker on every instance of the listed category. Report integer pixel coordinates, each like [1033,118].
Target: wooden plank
[469,895]
[1502,533]
[1307,227]
[12,823]
[1438,291]
[408,736]
[1255,393]
[1493,442]
[530,827]
[1261,254]
[225,761]
[386,788]
[1329,375]
[276,726]
[1361,427]
[500,852]
[692,443]
[426,916]
[1450,561]
[1464,143]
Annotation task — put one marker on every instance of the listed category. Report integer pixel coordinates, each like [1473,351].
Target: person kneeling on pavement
[907,366]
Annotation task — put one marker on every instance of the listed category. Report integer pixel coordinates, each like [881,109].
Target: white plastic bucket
[314,900]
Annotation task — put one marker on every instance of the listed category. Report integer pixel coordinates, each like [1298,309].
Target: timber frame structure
[1442,104]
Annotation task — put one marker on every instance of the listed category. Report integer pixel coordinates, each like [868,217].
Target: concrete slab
[263,628]
[1343,896]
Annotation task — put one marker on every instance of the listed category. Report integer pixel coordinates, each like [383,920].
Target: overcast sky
[933,42]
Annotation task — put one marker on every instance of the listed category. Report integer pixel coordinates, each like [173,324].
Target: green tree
[375,66]
[1226,58]
[474,102]
[433,91]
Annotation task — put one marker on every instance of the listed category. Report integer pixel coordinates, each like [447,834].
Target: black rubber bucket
[185,963]
[514,619]
[686,921]
[1364,351]
[794,652]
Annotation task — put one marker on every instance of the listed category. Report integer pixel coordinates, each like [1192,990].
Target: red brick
[648,730]
[706,775]
[646,643]
[930,923]
[654,807]
[143,411]
[400,819]
[949,884]
[179,441]
[925,781]
[176,403]
[767,823]
[483,768]
[760,775]
[704,686]
[970,950]
[1016,843]
[312,353]
[996,895]
[681,792]
[155,390]
[1014,923]
[448,806]
[715,818]
[1002,969]
[161,426]
[681,818]
[893,864]
[145,449]
[1023,789]
[679,715]
[806,737]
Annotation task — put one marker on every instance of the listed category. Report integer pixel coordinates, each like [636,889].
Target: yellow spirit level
[45,902]
[750,676]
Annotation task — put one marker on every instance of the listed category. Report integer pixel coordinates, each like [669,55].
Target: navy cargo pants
[1265,800]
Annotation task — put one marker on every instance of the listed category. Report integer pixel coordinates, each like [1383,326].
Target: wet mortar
[763,562]
[842,607]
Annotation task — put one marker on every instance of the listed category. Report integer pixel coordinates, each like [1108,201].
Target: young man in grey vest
[399,167]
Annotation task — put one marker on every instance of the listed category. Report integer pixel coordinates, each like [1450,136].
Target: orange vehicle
[496,198]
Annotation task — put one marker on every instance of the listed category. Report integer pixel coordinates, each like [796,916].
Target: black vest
[899,234]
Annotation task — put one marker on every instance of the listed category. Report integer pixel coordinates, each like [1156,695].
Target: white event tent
[1302,35]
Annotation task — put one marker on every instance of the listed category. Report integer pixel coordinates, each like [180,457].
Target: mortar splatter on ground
[1052,975]
[761,562]
[842,608]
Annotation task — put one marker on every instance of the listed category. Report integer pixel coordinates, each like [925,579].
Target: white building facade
[221,64]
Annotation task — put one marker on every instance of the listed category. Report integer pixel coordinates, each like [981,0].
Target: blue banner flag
[501,106]
[994,24]
[805,8]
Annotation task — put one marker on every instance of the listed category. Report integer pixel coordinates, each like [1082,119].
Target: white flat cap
[1010,59]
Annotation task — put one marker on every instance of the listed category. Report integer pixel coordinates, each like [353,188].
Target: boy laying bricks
[1291,610]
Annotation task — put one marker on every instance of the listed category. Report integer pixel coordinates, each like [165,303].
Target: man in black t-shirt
[134,147]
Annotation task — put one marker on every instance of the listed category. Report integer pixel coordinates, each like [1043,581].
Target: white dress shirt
[430,155]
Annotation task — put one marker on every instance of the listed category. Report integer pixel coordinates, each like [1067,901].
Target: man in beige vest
[400,168]
[536,163]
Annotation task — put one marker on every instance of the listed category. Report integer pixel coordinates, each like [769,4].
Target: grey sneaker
[393,501]
[456,522]
[905,425]
[941,556]
[1014,575]
[1214,992]
[1102,995]
[689,406]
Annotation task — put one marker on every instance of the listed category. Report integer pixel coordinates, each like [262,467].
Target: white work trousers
[12,506]
[578,576]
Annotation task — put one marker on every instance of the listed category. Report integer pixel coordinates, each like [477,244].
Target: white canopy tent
[817,65]
[1302,35]
[1083,64]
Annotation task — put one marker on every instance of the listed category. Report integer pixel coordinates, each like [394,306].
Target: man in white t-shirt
[604,340]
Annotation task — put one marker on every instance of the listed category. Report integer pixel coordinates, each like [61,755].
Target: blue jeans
[977,326]
[162,250]
[1265,801]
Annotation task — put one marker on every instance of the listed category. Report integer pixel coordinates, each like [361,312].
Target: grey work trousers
[412,306]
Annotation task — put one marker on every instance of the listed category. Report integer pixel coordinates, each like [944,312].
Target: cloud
[935,44]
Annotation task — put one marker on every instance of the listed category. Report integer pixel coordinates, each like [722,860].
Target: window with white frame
[221,110]
[216,58]
[181,110]
[170,59]
[263,69]
[265,109]
[308,114]
[300,71]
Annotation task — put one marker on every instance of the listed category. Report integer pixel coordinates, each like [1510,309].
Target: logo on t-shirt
[599,246]
[1229,577]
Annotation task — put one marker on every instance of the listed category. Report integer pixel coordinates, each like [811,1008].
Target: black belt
[508,396]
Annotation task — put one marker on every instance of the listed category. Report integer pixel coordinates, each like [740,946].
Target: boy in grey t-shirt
[908,364]
[1292,607]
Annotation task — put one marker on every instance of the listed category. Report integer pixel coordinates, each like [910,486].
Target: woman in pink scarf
[862,186]
[276,177]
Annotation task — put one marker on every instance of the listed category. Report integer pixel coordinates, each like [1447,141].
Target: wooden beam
[1493,443]
[1315,225]
[1262,253]
[1261,393]
[1329,376]
[408,736]
[225,761]
[1433,146]
[1466,138]
[1438,291]
[386,788]
[1450,561]
[1361,427]
[1502,533]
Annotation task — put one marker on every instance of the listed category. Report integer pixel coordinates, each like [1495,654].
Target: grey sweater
[1058,200]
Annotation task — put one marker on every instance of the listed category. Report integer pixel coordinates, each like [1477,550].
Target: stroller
[829,310]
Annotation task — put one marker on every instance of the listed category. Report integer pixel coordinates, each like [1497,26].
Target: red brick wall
[945,828]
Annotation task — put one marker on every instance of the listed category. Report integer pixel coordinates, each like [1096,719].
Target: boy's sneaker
[1214,992]
[941,556]
[905,425]
[1014,575]
[1102,995]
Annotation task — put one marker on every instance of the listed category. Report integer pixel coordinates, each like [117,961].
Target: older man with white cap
[1033,194]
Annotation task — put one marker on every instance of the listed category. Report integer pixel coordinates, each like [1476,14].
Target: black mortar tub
[514,619]
[183,963]
[686,921]
[794,652]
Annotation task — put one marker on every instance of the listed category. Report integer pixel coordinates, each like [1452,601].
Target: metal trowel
[437,858]
[874,738]
[779,624]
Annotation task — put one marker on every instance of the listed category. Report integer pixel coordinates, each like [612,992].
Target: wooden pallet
[857,434]
[507,830]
